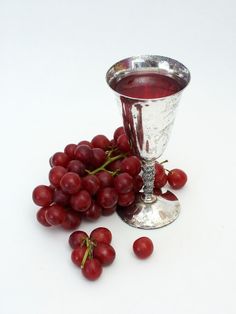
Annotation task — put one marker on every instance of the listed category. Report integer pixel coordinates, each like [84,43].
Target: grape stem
[89,251]
[107,162]
[85,257]
[163,162]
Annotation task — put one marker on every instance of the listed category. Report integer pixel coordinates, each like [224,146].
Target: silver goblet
[148,123]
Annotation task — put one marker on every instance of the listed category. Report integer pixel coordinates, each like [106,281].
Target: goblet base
[164,210]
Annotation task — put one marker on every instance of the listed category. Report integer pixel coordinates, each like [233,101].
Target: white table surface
[53,59]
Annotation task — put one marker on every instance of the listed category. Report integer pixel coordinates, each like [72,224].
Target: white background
[53,58]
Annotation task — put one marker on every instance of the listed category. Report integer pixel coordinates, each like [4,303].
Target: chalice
[148,89]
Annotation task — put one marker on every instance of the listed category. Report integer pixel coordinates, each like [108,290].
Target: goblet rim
[151,71]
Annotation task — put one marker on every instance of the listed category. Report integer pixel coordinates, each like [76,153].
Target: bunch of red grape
[91,179]
[92,252]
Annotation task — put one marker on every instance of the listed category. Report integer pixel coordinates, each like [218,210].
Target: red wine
[147,85]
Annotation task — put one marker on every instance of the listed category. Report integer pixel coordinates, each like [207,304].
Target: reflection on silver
[148,124]
[150,216]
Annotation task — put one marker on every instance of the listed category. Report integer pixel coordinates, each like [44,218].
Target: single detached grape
[92,269]
[42,195]
[177,178]
[105,253]
[101,234]
[143,247]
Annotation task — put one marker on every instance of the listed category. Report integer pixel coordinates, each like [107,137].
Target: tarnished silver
[148,124]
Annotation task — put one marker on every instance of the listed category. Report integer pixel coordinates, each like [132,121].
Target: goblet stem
[148,182]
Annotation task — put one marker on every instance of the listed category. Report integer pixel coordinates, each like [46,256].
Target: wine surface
[147,85]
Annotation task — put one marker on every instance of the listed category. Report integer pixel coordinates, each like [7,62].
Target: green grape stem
[163,162]
[106,163]
[89,251]
[85,257]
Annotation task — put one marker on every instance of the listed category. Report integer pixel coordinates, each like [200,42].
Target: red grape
[160,176]
[84,153]
[177,178]
[143,247]
[123,183]
[115,165]
[126,199]
[91,184]
[85,143]
[119,131]
[55,175]
[108,211]
[100,141]
[123,143]
[70,183]
[131,165]
[72,220]
[77,166]
[77,238]
[70,150]
[138,183]
[60,159]
[112,143]
[101,234]
[105,179]
[61,198]
[98,157]
[77,255]
[107,197]
[81,201]
[93,212]
[55,215]
[92,269]
[42,195]
[105,253]
[41,216]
